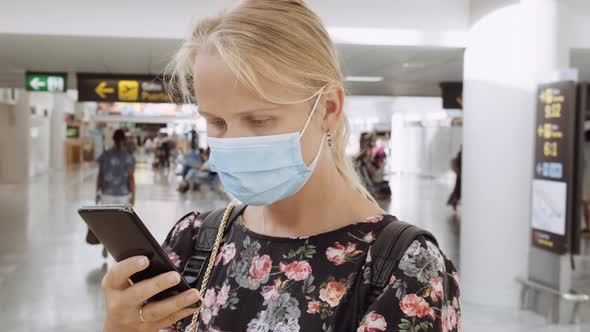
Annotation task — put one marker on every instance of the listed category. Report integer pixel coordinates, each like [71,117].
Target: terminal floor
[50,279]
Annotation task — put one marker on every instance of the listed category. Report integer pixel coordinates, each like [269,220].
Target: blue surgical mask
[262,170]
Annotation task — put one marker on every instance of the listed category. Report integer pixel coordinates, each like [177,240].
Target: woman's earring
[330,141]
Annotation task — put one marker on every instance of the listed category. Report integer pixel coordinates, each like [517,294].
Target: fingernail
[174,278]
[142,262]
[192,297]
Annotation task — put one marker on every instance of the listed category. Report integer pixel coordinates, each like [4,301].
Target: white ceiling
[407,70]
[427,65]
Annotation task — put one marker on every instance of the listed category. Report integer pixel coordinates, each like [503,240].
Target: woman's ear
[333,101]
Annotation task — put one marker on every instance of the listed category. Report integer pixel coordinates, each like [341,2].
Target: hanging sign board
[121,88]
[46,82]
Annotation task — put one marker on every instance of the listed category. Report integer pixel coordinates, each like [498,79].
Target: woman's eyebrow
[245,111]
[259,109]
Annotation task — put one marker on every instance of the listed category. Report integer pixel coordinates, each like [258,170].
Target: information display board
[555,189]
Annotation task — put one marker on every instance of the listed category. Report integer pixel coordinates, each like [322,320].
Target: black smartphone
[124,235]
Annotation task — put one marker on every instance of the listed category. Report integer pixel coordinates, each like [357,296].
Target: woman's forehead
[215,82]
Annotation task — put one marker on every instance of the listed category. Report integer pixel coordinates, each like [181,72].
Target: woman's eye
[258,122]
[217,123]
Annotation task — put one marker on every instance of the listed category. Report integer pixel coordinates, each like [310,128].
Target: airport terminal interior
[468,118]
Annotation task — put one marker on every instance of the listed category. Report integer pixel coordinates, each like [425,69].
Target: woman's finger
[145,289]
[157,311]
[175,317]
[118,276]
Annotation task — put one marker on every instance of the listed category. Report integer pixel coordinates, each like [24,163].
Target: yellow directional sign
[128,90]
[102,90]
[121,88]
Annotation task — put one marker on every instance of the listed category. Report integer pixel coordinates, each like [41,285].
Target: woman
[267,79]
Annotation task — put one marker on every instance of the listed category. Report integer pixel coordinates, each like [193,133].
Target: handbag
[211,260]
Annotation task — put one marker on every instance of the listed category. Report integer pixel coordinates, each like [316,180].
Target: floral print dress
[318,283]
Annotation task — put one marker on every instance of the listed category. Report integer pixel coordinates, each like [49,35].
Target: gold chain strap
[193,326]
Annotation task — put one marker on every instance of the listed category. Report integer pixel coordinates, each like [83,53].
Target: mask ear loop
[315,105]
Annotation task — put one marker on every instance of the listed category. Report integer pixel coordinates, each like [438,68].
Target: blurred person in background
[299,257]
[193,161]
[370,164]
[377,171]
[115,183]
[163,151]
[586,187]
[455,196]
[200,175]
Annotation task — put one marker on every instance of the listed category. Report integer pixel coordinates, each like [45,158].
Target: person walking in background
[586,189]
[455,197]
[115,183]
[377,171]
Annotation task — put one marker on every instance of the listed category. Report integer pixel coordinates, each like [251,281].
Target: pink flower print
[298,270]
[223,295]
[271,293]
[448,318]
[181,226]
[206,316]
[260,268]
[336,253]
[313,307]
[210,297]
[436,292]
[372,322]
[226,254]
[414,306]
[333,293]
[174,258]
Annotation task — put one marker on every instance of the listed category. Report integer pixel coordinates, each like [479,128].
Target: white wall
[367,113]
[576,11]
[423,140]
[579,23]
[424,150]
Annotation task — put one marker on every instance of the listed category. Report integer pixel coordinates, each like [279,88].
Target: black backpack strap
[205,240]
[388,250]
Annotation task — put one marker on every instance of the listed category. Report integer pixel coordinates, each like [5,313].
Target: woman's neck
[325,203]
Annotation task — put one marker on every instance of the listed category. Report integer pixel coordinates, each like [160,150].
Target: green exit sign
[48,82]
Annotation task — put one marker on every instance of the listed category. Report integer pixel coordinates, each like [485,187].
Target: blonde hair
[278,40]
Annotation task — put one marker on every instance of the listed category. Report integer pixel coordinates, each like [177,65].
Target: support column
[58,131]
[15,134]
[510,50]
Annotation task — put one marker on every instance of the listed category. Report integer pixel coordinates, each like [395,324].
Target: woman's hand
[124,301]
